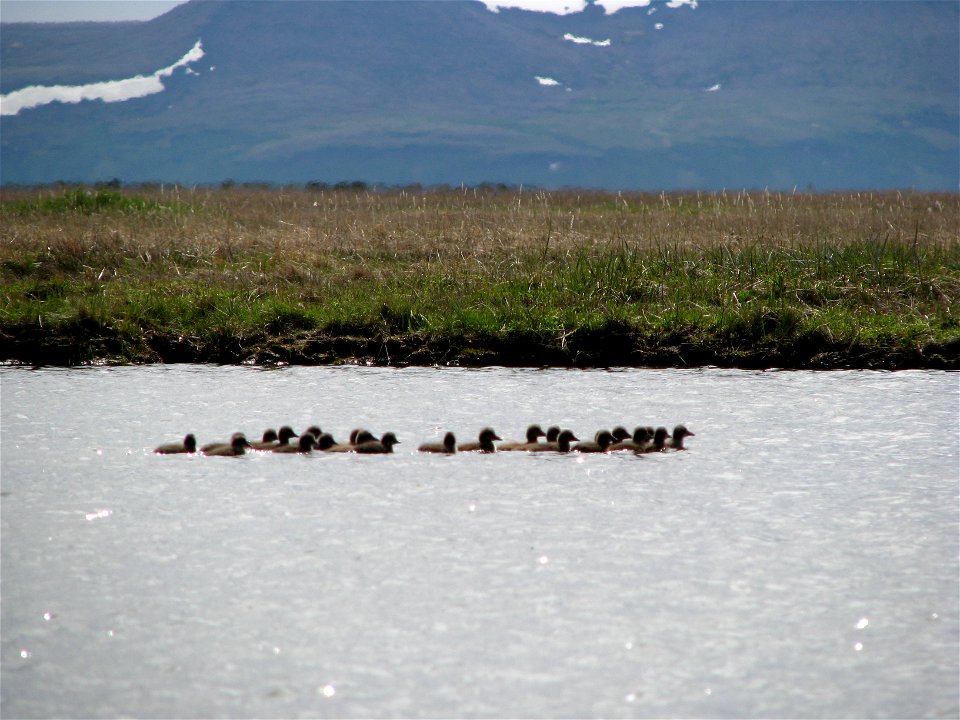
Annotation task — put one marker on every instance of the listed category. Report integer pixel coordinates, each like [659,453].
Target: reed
[479,275]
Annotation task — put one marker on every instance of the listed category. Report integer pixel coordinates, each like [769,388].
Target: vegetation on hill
[478,276]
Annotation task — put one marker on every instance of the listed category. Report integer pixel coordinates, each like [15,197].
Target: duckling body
[602,441]
[383,445]
[675,441]
[189,445]
[305,445]
[447,447]
[237,446]
[534,433]
[562,443]
[484,442]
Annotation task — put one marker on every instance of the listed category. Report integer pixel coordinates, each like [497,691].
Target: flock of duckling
[642,440]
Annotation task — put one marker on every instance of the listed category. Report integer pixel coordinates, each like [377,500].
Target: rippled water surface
[800,559]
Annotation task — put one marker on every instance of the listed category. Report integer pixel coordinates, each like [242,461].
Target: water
[801,559]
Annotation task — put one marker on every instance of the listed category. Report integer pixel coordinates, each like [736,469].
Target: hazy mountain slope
[830,94]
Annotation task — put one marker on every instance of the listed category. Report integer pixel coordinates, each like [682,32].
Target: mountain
[731,93]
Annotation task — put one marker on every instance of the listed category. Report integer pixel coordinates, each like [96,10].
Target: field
[478,276]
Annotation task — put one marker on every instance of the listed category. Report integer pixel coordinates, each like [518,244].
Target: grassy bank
[479,276]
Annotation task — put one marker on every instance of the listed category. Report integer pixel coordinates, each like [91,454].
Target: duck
[484,442]
[620,433]
[236,447]
[271,439]
[233,438]
[383,445]
[602,440]
[267,441]
[553,432]
[448,446]
[357,437]
[189,445]
[562,443]
[305,445]
[534,433]
[675,441]
[285,434]
[314,430]
[660,436]
[325,441]
[638,442]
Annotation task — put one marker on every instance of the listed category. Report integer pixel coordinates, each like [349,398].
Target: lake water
[799,560]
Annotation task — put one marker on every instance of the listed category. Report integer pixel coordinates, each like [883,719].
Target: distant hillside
[730,94]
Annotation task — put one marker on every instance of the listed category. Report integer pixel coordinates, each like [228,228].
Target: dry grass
[879,267]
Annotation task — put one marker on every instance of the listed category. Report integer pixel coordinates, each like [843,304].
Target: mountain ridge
[733,94]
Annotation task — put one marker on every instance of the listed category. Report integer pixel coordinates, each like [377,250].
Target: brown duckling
[620,433]
[233,438]
[484,442]
[447,447]
[266,442]
[285,434]
[562,443]
[602,441]
[314,430]
[357,437]
[305,445]
[236,447]
[189,445]
[383,445]
[660,436]
[534,433]
[640,441]
[676,440]
[553,432]
[325,441]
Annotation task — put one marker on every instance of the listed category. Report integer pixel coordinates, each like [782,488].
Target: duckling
[306,444]
[621,433]
[236,447]
[639,441]
[314,430]
[189,445]
[383,445]
[676,441]
[271,439]
[534,433]
[660,436]
[325,441]
[356,437]
[562,443]
[266,442]
[602,441]
[448,446]
[484,442]
[285,435]
[553,432]
[233,438]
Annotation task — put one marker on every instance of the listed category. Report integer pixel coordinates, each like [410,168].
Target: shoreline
[37,347]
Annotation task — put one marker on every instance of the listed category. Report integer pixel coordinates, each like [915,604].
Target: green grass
[807,275]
